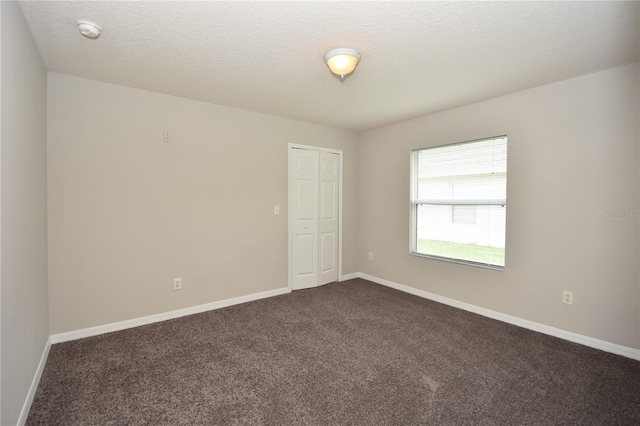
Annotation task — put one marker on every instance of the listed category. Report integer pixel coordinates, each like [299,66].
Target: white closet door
[304,218]
[329,174]
[314,186]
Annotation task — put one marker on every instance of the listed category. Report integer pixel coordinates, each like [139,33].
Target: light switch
[276,210]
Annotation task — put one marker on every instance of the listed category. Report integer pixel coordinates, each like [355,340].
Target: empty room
[320,213]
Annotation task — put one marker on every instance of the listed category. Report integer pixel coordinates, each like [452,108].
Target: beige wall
[573,155]
[128,213]
[24,307]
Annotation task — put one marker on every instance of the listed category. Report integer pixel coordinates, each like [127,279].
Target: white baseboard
[531,325]
[136,322]
[34,385]
[347,277]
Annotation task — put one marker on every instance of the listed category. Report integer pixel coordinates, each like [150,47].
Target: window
[464,214]
[459,202]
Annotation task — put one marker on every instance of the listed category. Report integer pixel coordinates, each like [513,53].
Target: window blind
[459,199]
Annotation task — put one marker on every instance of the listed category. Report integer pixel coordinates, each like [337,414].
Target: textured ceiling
[417,57]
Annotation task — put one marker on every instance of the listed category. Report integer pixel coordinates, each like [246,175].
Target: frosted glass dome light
[342,61]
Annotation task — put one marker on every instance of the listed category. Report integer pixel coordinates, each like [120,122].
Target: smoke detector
[89,29]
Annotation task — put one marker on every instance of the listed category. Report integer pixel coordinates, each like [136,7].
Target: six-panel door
[314,217]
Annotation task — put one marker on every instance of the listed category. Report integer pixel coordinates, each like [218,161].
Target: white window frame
[413,240]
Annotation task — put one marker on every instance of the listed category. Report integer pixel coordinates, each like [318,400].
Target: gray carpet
[343,354]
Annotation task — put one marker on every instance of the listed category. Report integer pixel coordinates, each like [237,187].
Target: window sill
[460,262]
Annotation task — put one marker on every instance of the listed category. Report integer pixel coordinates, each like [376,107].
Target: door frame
[290,148]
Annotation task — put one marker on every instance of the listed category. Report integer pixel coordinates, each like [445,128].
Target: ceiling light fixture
[342,61]
[89,29]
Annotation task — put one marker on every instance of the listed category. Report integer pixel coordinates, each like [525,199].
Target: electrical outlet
[166,136]
[567,297]
[370,255]
[177,283]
